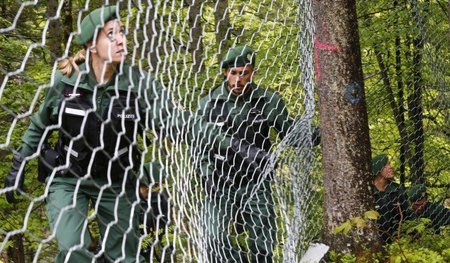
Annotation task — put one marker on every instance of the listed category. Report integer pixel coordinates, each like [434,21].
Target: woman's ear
[90,46]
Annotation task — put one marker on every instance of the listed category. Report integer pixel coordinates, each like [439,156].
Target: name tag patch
[73,111]
[219,157]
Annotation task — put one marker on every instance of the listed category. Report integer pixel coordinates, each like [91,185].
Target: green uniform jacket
[438,214]
[160,113]
[393,208]
[248,117]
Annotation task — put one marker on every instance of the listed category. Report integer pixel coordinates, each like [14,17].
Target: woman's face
[111,43]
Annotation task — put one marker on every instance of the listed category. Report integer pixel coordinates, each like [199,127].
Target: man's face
[238,79]
[388,171]
[419,205]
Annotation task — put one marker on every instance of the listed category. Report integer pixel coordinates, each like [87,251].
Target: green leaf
[344,228]
[359,222]
[371,214]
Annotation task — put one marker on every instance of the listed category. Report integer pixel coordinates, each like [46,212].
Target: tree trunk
[400,119]
[415,100]
[222,19]
[195,44]
[17,251]
[397,107]
[344,125]
[67,19]
[54,29]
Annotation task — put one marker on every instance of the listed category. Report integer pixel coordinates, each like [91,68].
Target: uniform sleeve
[444,215]
[205,167]
[44,117]
[278,115]
[163,116]
[439,215]
[408,214]
[203,107]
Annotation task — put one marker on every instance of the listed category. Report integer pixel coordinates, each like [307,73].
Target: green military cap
[416,192]
[94,20]
[239,57]
[153,170]
[378,163]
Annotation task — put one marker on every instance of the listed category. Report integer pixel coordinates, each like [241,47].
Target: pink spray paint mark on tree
[319,46]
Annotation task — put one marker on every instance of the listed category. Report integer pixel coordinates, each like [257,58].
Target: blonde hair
[67,65]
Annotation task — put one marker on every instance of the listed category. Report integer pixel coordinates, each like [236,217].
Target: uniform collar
[392,186]
[223,93]
[87,81]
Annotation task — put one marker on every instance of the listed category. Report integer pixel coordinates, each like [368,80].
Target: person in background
[99,104]
[390,199]
[437,213]
[238,197]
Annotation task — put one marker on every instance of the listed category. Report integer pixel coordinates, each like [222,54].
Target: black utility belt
[51,159]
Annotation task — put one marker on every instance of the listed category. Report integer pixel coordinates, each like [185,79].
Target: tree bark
[54,29]
[222,20]
[195,44]
[17,251]
[397,107]
[415,100]
[400,119]
[344,125]
[67,20]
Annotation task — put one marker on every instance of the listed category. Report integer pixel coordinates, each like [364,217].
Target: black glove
[13,176]
[48,160]
[316,136]
[247,155]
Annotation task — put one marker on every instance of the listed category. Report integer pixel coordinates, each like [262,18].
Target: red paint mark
[319,46]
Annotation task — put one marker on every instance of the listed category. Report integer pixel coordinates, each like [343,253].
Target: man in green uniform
[98,107]
[437,213]
[239,195]
[390,198]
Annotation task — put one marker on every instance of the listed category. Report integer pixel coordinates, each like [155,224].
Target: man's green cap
[378,163]
[94,20]
[416,192]
[151,170]
[239,57]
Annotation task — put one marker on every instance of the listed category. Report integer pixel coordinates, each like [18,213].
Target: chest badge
[220,124]
[73,95]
